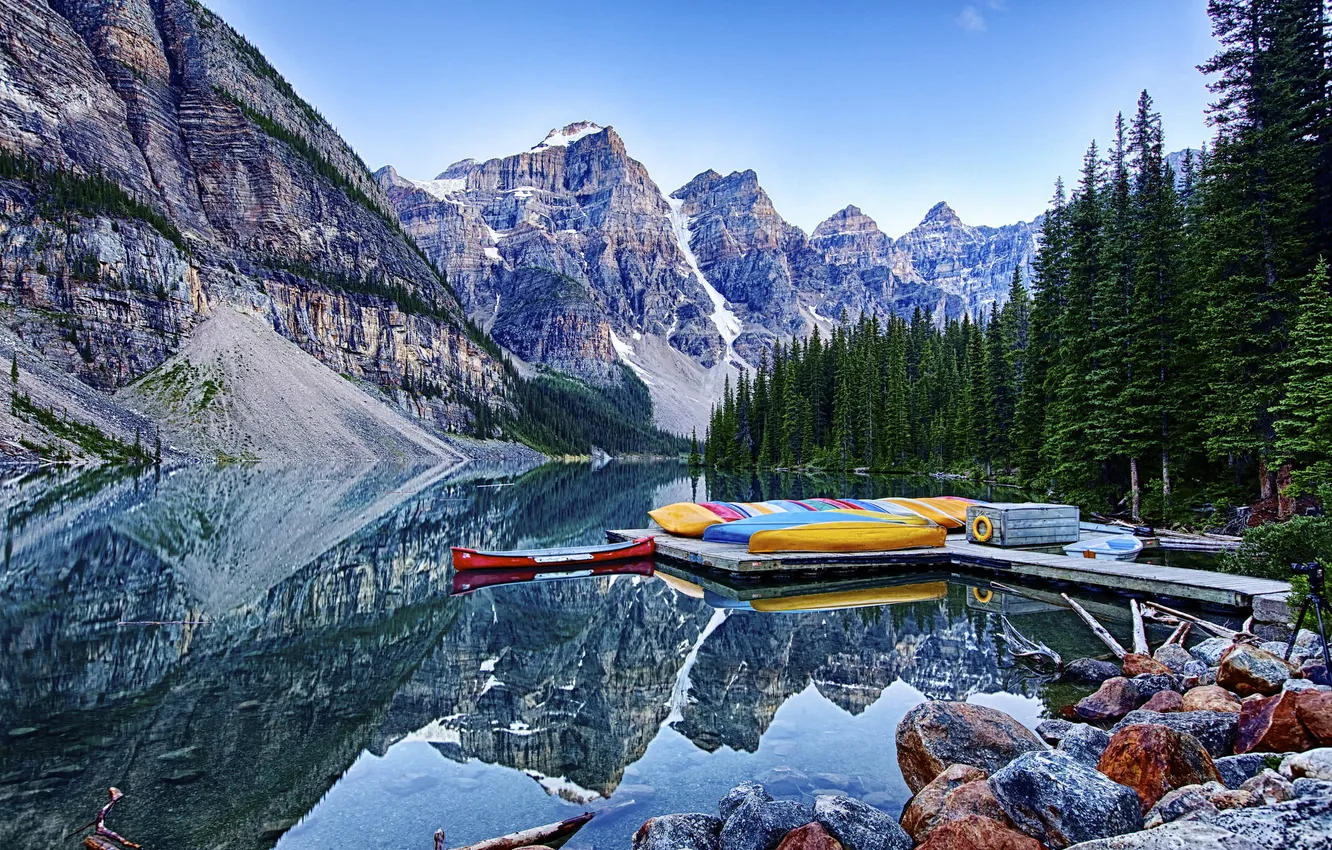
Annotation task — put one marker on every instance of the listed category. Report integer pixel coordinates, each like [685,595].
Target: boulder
[1315,712]
[1306,787]
[859,826]
[1215,730]
[1090,671]
[1303,824]
[1210,651]
[1181,835]
[1164,701]
[1231,798]
[1137,665]
[1085,743]
[1191,801]
[1210,698]
[974,832]
[1153,759]
[938,733]
[1304,686]
[1179,660]
[1272,725]
[1059,801]
[1315,764]
[757,824]
[811,836]
[1149,685]
[741,793]
[923,810]
[1235,770]
[1316,671]
[679,832]
[1268,787]
[1115,698]
[1249,670]
[1053,731]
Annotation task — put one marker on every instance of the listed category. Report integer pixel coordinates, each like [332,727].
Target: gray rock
[1053,731]
[1215,730]
[756,824]
[741,793]
[860,826]
[1299,653]
[695,831]
[1271,608]
[1314,764]
[1179,660]
[1210,651]
[1304,824]
[1090,670]
[1085,743]
[1236,770]
[1269,787]
[1151,684]
[1301,685]
[1181,835]
[1191,801]
[1059,801]
[1302,788]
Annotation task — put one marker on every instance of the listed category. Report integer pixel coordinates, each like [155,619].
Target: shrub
[1269,550]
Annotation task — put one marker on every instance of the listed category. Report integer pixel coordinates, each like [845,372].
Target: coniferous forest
[1174,346]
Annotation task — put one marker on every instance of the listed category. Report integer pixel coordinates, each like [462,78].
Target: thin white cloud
[970,19]
[997,5]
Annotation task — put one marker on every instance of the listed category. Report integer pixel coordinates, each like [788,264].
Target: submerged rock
[1086,744]
[975,832]
[1115,698]
[757,824]
[695,831]
[1058,801]
[939,733]
[1153,760]
[1249,670]
[859,826]
[1090,670]
[1215,730]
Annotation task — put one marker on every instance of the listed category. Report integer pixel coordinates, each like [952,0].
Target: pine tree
[694,458]
[1304,423]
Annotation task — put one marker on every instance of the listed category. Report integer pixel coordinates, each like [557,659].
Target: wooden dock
[1149,580]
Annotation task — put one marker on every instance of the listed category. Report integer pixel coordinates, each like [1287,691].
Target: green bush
[1269,550]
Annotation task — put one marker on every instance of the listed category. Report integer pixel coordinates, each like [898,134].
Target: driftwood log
[1108,639]
[1139,630]
[1214,628]
[551,835]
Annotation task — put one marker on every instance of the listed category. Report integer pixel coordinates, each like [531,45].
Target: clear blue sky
[891,106]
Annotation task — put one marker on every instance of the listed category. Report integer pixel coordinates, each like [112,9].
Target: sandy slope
[241,390]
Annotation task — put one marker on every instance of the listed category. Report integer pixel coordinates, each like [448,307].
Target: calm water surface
[337,695]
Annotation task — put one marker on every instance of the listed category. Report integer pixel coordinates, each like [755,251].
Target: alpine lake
[316,685]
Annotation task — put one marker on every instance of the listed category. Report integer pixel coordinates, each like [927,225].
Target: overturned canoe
[478,559]
[853,536]
[468,581]
[741,530]
[689,519]
[948,512]
[865,597]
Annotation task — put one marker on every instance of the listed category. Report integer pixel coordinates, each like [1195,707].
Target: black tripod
[1317,576]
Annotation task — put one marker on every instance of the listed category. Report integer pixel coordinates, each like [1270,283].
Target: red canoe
[472,580]
[475,559]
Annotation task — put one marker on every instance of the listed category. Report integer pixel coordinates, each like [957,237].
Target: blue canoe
[741,530]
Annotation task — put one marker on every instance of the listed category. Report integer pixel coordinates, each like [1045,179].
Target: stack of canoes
[818,525]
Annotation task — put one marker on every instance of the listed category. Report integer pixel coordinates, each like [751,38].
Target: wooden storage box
[1023,524]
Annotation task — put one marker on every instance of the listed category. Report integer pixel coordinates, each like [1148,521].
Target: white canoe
[1117,547]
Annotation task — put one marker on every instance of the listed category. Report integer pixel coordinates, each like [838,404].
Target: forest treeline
[1175,346]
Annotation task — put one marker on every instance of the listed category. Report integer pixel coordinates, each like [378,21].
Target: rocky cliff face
[236,192]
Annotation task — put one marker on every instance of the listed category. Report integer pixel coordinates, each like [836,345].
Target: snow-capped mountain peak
[571,133]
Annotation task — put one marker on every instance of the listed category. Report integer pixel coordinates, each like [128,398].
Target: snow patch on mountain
[626,352]
[727,322]
[571,133]
[440,190]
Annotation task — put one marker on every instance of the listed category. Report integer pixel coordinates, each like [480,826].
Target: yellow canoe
[895,519]
[685,518]
[931,509]
[834,600]
[846,537]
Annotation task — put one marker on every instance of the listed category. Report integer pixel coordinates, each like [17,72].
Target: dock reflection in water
[339,695]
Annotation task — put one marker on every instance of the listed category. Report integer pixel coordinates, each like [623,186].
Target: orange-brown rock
[974,832]
[811,836]
[1249,670]
[939,733]
[1210,698]
[922,811]
[1272,725]
[1315,712]
[1164,701]
[1115,698]
[1136,665]
[1153,760]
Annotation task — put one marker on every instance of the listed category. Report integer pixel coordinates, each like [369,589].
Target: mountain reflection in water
[338,696]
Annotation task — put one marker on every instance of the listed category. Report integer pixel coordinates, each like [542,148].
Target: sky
[891,105]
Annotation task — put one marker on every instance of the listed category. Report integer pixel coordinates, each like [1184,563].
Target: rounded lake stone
[939,733]
[859,826]
[1210,698]
[1153,760]
[757,824]
[1115,698]
[694,831]
[1085,743]
[811,836]
[976,832]
[1215,730]
[924,808]
[1249,670]
[1092,671]
[1164,701]
[1059,801]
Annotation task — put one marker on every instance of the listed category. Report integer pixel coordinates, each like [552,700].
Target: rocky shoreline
[1224,746]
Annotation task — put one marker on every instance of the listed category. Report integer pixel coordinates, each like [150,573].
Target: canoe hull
[473,559]
[742,530]
[1116,548]
[846,537]
[469,581]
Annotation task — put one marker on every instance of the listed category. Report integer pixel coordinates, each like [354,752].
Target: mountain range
[571,256]
[155,169]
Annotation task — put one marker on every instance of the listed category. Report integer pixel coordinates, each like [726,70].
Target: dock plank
[1224,589]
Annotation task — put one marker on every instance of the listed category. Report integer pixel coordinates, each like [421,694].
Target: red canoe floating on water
[472,580]
[476,559]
